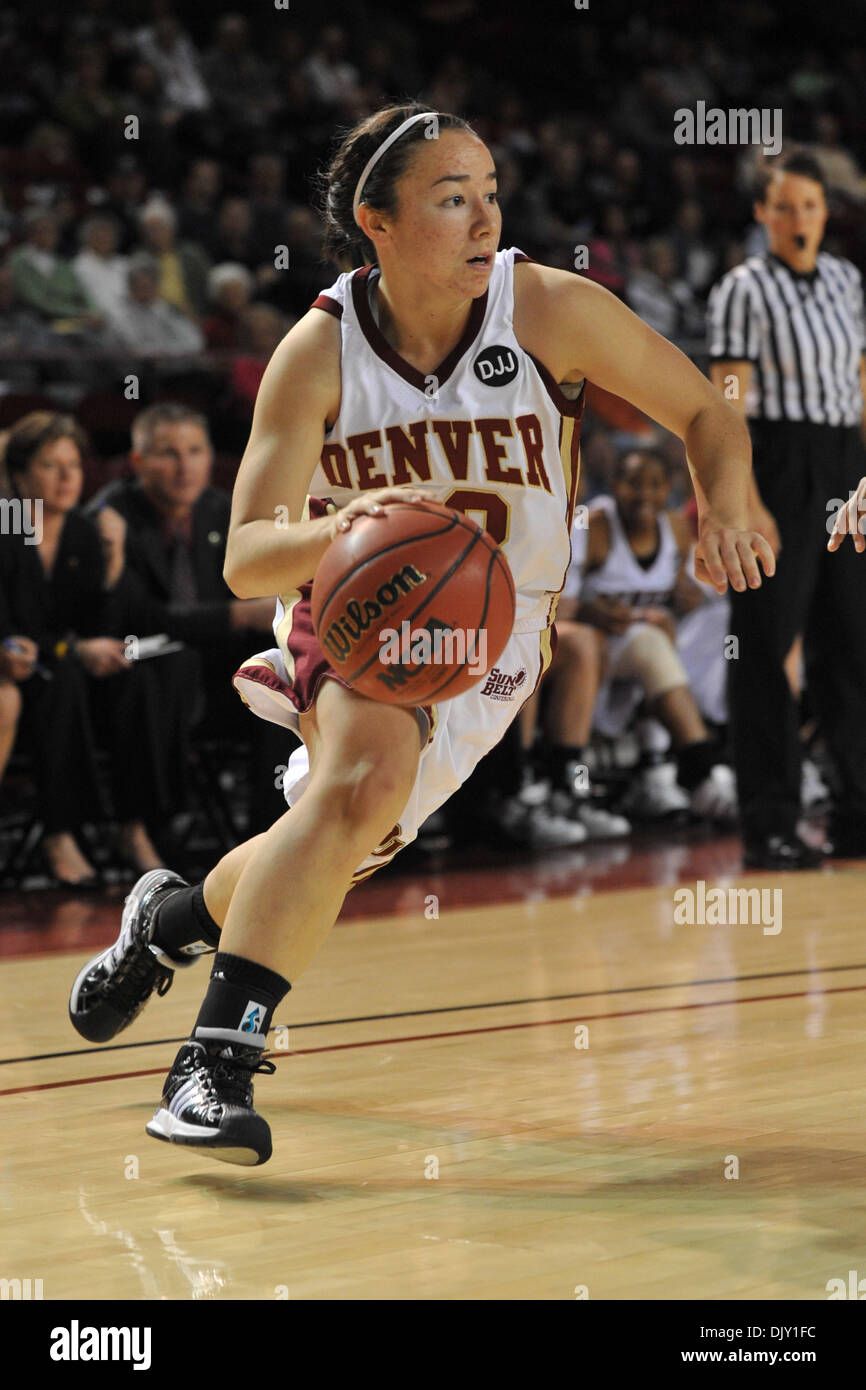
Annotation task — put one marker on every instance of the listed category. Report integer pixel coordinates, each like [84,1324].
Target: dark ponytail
[344,242]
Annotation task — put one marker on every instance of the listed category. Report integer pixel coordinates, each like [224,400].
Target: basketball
[413,606]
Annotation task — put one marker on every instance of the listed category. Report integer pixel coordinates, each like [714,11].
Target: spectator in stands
[561,216]
[631,188]
[597,179]
[125,190]
[63,669]
[262,328]
[235,237]
[512,131]
[44,281]
[383,71]
[841,170]
[230,288]
[183,267]
[176,533]
[145,323]
[99,268]
[158,121]
[22,334]
[49,158]
[293,289]
[174,56]
[660,297]
[696,259]
[268,206]
[238,80]
[335,81]
[197,213]
[89,108]
[613,255]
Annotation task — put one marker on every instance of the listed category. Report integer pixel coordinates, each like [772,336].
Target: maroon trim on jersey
[559,398]
[575,474]
[522,256]
[330,306]
[380,345]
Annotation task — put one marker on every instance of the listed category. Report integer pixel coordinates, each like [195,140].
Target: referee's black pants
[800,468]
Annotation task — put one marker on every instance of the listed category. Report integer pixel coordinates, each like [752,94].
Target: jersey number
[496,511]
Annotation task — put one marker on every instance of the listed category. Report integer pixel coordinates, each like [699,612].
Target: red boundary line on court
[457,1033]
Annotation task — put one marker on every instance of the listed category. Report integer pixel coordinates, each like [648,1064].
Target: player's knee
[579,643]
[654,660]
[369,793]
[649,645]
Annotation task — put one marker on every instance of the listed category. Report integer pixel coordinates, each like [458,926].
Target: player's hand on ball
[726,555]
[371,504]
[850,520]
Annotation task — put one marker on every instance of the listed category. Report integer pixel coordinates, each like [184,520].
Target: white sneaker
[813,789]
[716,797]
[655,794]
[601,824]
[538,826]
[581,807]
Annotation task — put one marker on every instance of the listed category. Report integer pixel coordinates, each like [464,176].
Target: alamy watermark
[835,504]
[737,126]
[22,516]
[729,907]
[434,645]
[77,1343]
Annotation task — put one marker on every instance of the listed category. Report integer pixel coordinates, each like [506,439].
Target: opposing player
[441,368]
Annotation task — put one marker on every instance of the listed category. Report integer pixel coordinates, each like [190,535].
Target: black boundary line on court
[455,1009]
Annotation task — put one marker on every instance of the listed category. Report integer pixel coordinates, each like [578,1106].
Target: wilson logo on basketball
[500,686]
[358,616]
[496,366]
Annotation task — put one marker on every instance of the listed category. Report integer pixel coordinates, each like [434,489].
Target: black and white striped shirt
[803,333]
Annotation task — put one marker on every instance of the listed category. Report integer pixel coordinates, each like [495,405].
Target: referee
[789,327]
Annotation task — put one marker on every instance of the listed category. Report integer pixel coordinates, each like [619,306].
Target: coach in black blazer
[176,529]
[199,617]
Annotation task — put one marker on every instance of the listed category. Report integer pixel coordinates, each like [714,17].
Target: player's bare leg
[364,758]
[357,771]
[575,679]
[285,902]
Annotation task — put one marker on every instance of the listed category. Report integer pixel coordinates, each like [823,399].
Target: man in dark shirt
[176,527]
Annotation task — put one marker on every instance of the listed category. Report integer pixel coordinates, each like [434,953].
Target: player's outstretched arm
[590,331]
[850,520]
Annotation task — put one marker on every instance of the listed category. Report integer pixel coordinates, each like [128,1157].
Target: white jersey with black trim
[489,432]
[622,576]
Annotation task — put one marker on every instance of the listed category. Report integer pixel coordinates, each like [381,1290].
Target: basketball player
[444,369]
[634,558]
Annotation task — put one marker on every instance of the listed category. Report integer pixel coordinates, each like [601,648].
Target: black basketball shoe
[207,1103]
[112,989]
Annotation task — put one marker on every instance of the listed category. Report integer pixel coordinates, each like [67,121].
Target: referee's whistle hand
[726,556]
[850,520]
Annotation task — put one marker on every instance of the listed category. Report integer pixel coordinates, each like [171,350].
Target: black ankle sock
[694,763]
[240,1001]
[557,757]
[183,926]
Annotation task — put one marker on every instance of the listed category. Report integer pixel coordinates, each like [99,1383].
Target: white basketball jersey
[489,433]
[622,576]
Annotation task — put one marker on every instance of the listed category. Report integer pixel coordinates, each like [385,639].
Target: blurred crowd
[158,227]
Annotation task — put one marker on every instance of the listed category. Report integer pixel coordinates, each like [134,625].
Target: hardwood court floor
[438,1135]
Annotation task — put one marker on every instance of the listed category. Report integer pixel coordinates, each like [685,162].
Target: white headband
[377,155]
